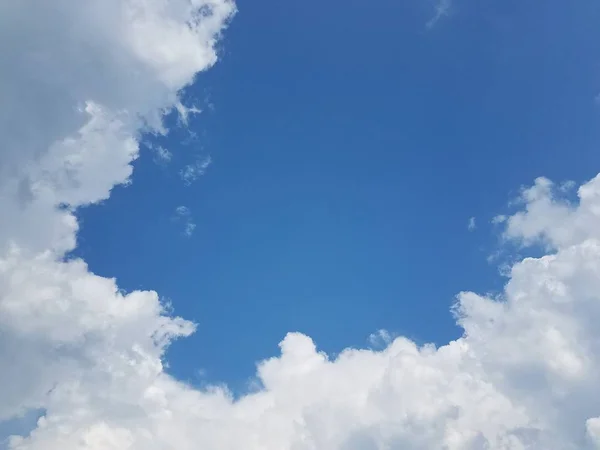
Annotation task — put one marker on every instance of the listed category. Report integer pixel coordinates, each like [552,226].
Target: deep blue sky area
[351,145]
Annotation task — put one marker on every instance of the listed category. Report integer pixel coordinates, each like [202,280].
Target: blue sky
[350,145]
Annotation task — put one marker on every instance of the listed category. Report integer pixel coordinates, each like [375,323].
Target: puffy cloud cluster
[549,219]
[81,80]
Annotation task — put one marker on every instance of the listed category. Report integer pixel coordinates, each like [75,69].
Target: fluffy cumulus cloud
[81,80]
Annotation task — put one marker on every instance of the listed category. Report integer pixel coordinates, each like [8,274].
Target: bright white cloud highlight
[550,219]
[80,81]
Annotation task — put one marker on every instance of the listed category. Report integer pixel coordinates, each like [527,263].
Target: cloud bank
[80,81]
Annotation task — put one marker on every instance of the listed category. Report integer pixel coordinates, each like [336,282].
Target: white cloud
[80,81]
[523,376]
[551,220]
[381,338]
[195,170]
[472,225]
[499,219]
[162,155]
[189,228]
[183,213]
[184,112]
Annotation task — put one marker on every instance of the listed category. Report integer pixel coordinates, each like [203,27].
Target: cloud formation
[86,78]
[472,224]
[195,170]
[184,214]
[442,8]
[162,155]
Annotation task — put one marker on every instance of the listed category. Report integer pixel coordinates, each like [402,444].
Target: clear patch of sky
[350,145]
[18,426]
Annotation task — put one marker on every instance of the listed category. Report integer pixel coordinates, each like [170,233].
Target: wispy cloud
[472,224]
[499,219]
[195,170]
[182,211]
[185,112]
[442,8]
[381,339]
[162,155]
[184,214]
